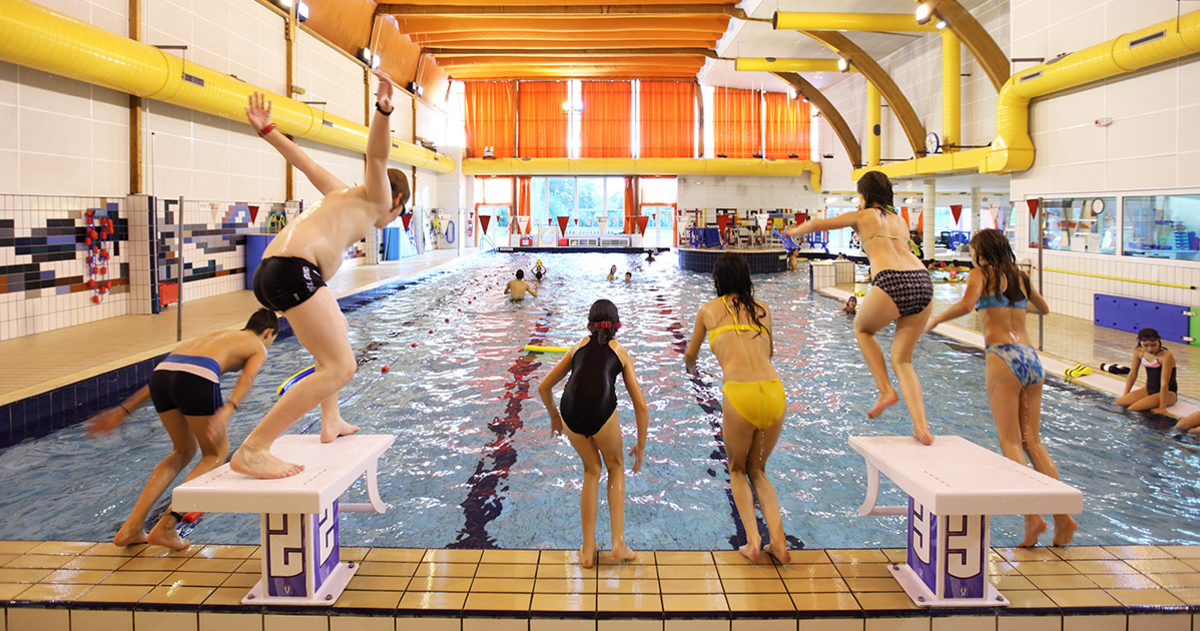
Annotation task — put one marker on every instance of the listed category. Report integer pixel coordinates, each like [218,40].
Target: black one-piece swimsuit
[590,397]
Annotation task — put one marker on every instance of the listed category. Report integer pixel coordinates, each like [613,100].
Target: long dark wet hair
[732,278]
[603,321]
[992,248]
[876,189]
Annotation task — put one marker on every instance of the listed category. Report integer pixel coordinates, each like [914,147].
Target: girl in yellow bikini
[739,334]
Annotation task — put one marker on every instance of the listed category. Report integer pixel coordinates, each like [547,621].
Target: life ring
[291,381]
[449,234]
[546,349]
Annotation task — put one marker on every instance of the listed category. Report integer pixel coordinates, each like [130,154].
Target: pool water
[474,464]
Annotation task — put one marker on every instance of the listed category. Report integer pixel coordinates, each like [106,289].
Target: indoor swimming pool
[474,464]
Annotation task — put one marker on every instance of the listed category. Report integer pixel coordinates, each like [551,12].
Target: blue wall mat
[1132,314]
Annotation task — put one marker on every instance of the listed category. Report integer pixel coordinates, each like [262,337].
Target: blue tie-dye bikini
[1022,359]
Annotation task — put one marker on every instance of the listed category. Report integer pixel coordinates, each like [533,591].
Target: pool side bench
[953,487]
[301,562]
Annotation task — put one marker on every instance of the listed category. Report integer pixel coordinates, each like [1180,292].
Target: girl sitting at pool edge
[589,419]
[1160,391]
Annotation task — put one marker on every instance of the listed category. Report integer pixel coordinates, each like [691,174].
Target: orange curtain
[788,127]
[541,119]
[631,206]
[667,115]
[523,203]
[490,117]
[607,119]
[738,123]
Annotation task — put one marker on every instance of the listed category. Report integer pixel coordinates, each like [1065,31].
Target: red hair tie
[604,324]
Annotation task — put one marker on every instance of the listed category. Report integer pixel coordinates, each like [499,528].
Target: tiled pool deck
[53,586]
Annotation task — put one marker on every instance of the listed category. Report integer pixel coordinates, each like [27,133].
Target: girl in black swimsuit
[589,419]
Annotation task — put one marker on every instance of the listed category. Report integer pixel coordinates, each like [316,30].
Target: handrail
[1127,280]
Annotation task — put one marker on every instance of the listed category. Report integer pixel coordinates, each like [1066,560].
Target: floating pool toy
[291,381]
[1077,372]
[786,241]
[546,349]
[191,517]
[860,293]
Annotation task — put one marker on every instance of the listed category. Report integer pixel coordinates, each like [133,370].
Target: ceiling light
[942,24]
[301,11]
[375,61]
[831,200]
[364,55]
[843,64]
[925,12]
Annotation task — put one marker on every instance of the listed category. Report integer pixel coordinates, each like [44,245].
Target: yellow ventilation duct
[36,37]
[643,166]
[772,64]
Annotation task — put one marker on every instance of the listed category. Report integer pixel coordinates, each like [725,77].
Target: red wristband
[266,130]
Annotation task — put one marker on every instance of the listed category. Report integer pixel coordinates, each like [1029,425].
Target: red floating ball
[447,319]
[431,331]
[103,270]
[414,344]
[385,369]
[103,254]
[104,290]
[107,284]
[93,270]
[191,517]
[87,241]
[91,283]
[90,213]
[95,298]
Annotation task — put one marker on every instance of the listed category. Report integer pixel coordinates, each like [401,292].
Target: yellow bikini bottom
[760,402]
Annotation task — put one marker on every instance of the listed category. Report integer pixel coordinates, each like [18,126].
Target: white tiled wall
[742,192]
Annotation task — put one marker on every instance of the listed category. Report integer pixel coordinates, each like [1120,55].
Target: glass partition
[1079,224]
[1162,226]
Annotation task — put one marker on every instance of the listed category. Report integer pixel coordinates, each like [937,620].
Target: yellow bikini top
[736,326]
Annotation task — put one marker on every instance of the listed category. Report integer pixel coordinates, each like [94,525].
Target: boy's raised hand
[258,113]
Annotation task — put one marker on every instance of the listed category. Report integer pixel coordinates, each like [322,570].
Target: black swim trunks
[284,282]
[911,290]
[590,397]
[188,383]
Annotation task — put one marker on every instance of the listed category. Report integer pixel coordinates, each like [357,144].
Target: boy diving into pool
[186,390]
[291,278]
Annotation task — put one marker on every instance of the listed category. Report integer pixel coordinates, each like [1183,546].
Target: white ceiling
[758,39]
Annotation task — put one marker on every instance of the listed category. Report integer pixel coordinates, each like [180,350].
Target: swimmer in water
[901,292]
[589,419]
[851,307]
[629,277]
[186,391]
[1001,294]
[1161,389]
[517,288]
[612,273]
[755,402]
[295,266]
[650,256]
[539,270]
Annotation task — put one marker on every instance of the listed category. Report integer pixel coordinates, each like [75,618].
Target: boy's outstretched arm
[379,146]
[258,113]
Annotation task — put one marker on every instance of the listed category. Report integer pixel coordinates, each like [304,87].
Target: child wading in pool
[1002,294]
[901,292]
[1160,391]
[291,278]
[754,402]
[589,419]
[186,390]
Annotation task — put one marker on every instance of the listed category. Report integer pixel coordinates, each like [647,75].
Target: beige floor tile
[747,571]
[226,596]
[367,600]
[196,579]
[815,585]
[503,585]
[873,585]
[18,547]
[151,565]
[96,563]
[1160,566]
[1026,554]
[1145,597]
[227,552]
[68,548]
[439,601]
[565,585]
[1041,568]
[23,576]
[626,586]
[864,570]
[452,556]
[564,571]
[626,571]
[639,603]
[1189,595]
[809,557]
[691,586]
[857,556]
[80,577]
[376,583]
[644,557]
[102,620]
[159,552]
[198,564]
[1005,583]
[9,591]
[1082,553]
[167,595]
[1182,552]
[49,592]
[1081,598]
[500,570]
[684,558]
[449,570]
[1028,599]
[393,555]
[1138,552]
[357,554]
[1176,580]
[510,557]
[688,603]
[760,602]
[826,602]
[439,584]
[135,578]
[115,594]
[1061,581]
[559,557]
[885,601]
[733,557]
[246,581]
[5,558]
[809,571]
[42,619]
[895,555]
[1122,581]
[381,568]
[687,571]
[1194,563]
[1103,567]
[38,562]
[477,601]
[753,586]
[563,602]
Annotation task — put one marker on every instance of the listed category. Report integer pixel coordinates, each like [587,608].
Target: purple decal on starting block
[286,555]
[326,533]
[965,556]
[922,543]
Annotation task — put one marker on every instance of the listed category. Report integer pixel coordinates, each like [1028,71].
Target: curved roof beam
[977,40]
[831,114]
[909,122]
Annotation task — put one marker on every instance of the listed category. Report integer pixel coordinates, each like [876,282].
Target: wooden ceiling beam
[977,40]
[666,38]
[612,24]
[450,63]
[516,46]
[831,114]
[564,10]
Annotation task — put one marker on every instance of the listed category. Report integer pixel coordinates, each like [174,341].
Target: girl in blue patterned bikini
[1002,295]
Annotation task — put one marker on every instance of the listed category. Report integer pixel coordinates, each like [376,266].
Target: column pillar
[976,208]
[930,234]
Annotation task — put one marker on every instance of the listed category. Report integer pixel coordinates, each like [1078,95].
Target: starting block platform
[301,561]
[953,487]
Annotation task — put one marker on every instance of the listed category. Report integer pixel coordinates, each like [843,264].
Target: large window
[1162,226]
[584,199]
[1080,224]
[494,198]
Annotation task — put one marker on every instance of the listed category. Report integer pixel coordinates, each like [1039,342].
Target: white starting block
[953,486]
[301,562]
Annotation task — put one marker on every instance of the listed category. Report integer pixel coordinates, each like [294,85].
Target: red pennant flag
[722,221]
[406,220]
[483,221]
[956,212]
[562,225]
[1033,207]
[642,222]
[253,214]
[921,221]
[801,218]
[904,213]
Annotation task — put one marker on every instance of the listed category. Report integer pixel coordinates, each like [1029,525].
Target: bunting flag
[562,225]
[904,213]
[406,220]
[801,217]
[722,222]
[253,214]
[956,212]
[214,209]
[763,220]
[483,222]
[642,222]
[524,221]
[1002,219]
[1033,207]
[920,222]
